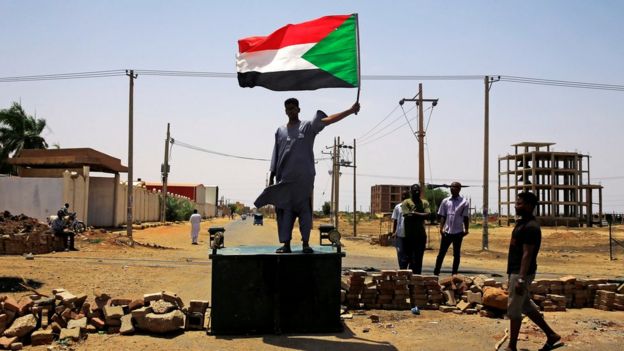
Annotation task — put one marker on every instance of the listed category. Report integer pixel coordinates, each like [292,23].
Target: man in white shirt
[195,224]
[454,225]
[399,232]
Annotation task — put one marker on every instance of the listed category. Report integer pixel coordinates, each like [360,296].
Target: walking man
[195,224]
[521,267]
[415,210]
[454,225]
[399,232]
[292,166]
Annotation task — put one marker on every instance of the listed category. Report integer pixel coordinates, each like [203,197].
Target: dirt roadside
[102,264]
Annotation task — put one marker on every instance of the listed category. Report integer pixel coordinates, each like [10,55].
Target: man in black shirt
[525,243]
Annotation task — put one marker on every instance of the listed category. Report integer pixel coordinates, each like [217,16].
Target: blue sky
[567,40]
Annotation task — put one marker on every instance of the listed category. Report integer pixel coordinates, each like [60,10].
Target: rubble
[67,317]
[402,290]
[21,234]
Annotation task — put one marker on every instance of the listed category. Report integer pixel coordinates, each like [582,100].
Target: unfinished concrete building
[561,180]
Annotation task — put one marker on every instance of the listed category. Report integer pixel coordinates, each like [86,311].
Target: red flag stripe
[291,34]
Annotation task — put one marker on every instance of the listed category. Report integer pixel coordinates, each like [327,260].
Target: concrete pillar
[115,197]
[85,174]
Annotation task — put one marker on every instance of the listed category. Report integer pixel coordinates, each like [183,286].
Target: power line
[396,119]
[392,131]
[197,148]
[64,76]
[376,125]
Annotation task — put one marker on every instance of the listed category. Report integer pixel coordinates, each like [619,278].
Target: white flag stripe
[285,59]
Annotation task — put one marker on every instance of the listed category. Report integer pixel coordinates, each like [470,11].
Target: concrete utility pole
[486,163]
[165,175]
[129,220]
[352,165]
[421,133]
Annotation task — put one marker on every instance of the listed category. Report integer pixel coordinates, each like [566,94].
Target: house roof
[69,158]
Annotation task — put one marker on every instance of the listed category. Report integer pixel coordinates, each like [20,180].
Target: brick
[77,323]
[113,312]
[126,325]
[136,304]
[201,306]
[72,334]
[447,308]
[10,304]
[55,327]
[42,337]
[24,305]
[474,297]
[5,342]
[97,322]
[66,297]
[80,300]
[462,305]
[17,346]
[22,326]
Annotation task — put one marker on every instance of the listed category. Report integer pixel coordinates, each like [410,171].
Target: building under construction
[561,180]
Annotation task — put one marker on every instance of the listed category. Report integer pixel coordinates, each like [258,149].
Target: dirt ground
[165,260]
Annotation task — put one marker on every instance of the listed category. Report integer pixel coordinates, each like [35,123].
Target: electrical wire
[408,123]
[197,148]
[64,76]
[396,119]
[380,122]
[392,131]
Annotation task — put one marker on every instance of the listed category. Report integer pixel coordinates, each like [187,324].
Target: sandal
[283,249]
[551,346]
[307,250]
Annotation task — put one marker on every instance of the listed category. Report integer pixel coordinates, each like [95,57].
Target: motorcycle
[71,223]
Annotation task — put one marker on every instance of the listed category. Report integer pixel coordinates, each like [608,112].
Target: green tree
[326,208]
[435,197]
[233,208]
[178,209]
[19,131]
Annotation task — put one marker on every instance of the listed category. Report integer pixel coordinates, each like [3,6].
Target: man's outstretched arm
[340,115]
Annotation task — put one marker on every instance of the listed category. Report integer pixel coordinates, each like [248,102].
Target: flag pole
[357,40]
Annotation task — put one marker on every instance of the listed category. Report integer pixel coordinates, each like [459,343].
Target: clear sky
[567,40]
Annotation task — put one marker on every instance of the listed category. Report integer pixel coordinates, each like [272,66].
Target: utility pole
[346,163]
[165,175]
[337,186]
[421,133]
[486,152]
[129,221]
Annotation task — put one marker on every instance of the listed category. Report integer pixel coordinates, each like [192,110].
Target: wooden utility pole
[354,194]
[421,141]
[421,133]
[337,186]
[129,220]
[487,80]
[165,176]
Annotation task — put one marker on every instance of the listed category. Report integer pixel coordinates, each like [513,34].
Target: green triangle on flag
[337,53]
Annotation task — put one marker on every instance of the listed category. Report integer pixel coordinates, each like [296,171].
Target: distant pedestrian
[524,246]
[398,232]
[415,210]
[195,224]
[454,212]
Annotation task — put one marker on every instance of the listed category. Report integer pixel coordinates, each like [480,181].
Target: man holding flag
[322,53]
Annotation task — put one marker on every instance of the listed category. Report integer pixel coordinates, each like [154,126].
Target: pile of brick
[40,320]
[459,294]
[21,234]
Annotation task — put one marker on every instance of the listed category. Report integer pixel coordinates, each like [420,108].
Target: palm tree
[19,131]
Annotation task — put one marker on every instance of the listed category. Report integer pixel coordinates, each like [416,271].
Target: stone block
[462,305]
[25,305]
[66,297]
[55,327]
[42,337]
[162,323]
[80,300]
[72,334]
[17,346]
[77,323]
[22,326]
[113,312]
[202,306]
[126,327]
[474,297]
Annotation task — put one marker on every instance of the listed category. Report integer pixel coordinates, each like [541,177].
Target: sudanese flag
[322,53]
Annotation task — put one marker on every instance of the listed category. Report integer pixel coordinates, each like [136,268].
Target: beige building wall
[34,197]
